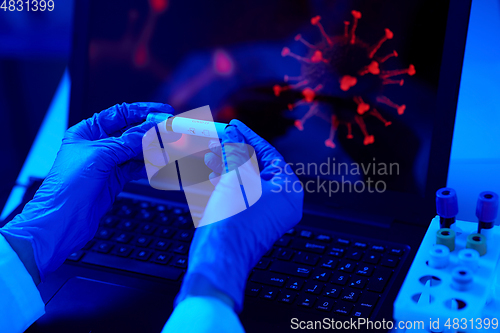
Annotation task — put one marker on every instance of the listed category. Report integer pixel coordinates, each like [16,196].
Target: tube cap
[446,202]
[487,206]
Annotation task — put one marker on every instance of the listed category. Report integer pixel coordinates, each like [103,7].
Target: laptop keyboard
[306,268]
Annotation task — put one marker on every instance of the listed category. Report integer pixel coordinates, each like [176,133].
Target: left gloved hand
[96,160]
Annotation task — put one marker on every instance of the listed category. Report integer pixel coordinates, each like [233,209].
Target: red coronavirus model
[343,68]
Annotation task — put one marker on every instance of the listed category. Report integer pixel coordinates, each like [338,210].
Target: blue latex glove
[223,253]
[98,156]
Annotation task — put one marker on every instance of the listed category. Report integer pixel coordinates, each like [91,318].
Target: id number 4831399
[27,5]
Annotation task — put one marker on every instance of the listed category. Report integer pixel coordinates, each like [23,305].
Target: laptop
[359,97]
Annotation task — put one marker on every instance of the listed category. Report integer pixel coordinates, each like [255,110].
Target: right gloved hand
[222,254]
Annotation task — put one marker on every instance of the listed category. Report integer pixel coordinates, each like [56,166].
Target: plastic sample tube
[461,278]
[446,236]
[446,207]
[196,127]
[486,211]
[469,258]
[477,242]
[439,256]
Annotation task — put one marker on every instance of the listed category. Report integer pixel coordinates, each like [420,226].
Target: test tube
[446,207]
[439,256]
[196,127]
[486,212]
[446,237]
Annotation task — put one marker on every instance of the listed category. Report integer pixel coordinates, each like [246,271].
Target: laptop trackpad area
[90,306]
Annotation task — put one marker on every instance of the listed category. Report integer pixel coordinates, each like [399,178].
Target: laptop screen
[345,90]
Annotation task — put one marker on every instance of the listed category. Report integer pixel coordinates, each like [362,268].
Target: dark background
[34,52]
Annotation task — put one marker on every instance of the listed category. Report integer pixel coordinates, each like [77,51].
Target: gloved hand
[96,159]
[223,253]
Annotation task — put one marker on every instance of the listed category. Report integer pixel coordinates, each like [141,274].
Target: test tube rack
[450,287]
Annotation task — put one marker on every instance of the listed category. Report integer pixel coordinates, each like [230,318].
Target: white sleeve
[203,315]
[20,302]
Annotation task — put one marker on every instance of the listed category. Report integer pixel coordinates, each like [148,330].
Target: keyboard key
[347,266]
[161,244]
[127,225]
[89,245]
[314,287]
[144,215]
[365,269]
[350,295]
[306,258]
[294,283]
[354,254]
[332,291]
[368,300]
[184,235]
[165,232]
[361,312]
[396,251]
[269,278]
[283,254]
[161,208]
[179,210]
[340,278]
[379,279]
[321,274]
[109,221]
[343,308]
[125,211]
[358,282]
[372,258]
[325,304]
[289,268]
[122,250]
[104,234]
[252,289]
[263,263]
[145,204]
[141,254]
[179,262]
[269,293]
[310,246]
[183,223]
[161,258]
[389,261]
[306,301]
[75,256]
[123,237]
[336,252]
[287,296]
[378,248]
[142,241]
[342,242]
[147,228]
[102,247]
[180,248]
[290,232]
[283,241]
[306,234]
[164,219]
[324,238]
[134,266]
[328,263]
[360,245]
